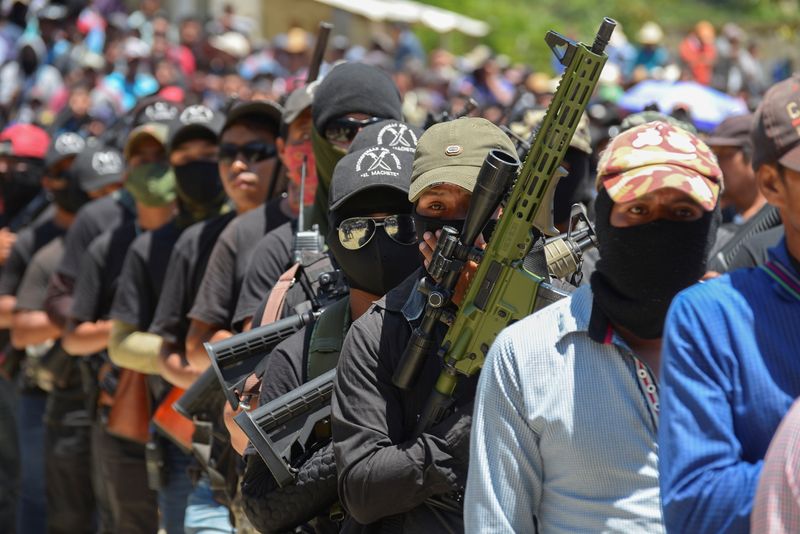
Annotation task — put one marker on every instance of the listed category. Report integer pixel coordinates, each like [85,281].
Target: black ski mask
[19,186]
[382,263]
[641,268]
[71,197]
[198,182]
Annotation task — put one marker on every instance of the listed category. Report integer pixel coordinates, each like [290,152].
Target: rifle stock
[203,399]
[235,358]
[286,426]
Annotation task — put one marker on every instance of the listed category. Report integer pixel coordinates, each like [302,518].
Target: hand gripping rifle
[501,291]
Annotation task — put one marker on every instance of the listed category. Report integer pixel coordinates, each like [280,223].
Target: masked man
[566,415]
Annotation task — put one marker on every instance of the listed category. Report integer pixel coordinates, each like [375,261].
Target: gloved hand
[455,430]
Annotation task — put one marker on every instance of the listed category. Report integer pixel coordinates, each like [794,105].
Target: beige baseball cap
[155,130]
[453,152]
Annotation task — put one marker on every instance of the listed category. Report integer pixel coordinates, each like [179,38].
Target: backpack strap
[277,296]
[327,337]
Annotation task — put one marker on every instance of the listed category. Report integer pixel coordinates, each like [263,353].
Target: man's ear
[771,184]
[280,144]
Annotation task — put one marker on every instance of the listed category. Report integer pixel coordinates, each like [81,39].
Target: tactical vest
[327,336]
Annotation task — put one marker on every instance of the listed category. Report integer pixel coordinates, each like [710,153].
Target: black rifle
[319,51]
[284,431]
[203,399]
[769,217]
[235,358]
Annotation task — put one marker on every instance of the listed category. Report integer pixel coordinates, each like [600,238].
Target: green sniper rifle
[501,291]
[283,431]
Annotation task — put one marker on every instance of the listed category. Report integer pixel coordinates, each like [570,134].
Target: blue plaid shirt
[731,369]
[564,431]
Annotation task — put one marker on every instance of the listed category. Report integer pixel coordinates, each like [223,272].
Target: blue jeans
[32,504]
[204,515]
[172,498]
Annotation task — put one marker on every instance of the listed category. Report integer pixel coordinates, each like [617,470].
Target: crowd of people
[167,187]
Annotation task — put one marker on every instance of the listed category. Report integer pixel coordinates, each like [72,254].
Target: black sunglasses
[356,232]
[251,152]
[345,129]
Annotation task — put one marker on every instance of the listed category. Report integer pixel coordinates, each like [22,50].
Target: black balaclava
[641,268]
[200,192]
[381,264]
[347,88]
[573,188]
[18,188]
[71,197]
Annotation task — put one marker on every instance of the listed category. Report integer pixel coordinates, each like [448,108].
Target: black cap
[156,110]
[98,166]
[776,127]
[369,168]
[63,146]
[195,122]
[733,131]
[266,111]
[392,134]
[356,88]
[300,100]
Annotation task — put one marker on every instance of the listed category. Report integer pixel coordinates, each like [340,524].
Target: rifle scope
[493,180]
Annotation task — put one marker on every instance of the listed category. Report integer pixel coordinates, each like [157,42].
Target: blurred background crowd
[83,67]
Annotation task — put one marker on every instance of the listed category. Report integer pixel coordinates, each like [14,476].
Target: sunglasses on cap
[251,152]
[356,232]
[345,129]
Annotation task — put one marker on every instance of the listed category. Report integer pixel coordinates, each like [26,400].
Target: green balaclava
[327,156]
[152,184]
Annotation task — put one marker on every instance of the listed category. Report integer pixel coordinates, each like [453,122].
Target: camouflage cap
[452,153]
[659,155]
[532,120]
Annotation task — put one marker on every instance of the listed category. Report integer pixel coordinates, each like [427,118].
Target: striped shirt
[730,372]
[564,431]
[777,506]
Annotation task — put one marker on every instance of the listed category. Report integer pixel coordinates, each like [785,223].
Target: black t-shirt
[31,297]
[754,250]
[93,219]
[33,288]
[219,291]
[187,264]
[285,368]
[28,242]
[99,273]
[271,258]
[142,276]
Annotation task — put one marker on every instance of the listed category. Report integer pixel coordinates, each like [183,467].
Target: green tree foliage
[519,26]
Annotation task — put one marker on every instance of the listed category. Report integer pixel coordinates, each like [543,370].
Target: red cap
[27,140]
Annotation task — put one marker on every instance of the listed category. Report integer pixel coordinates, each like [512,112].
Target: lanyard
[647,383]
